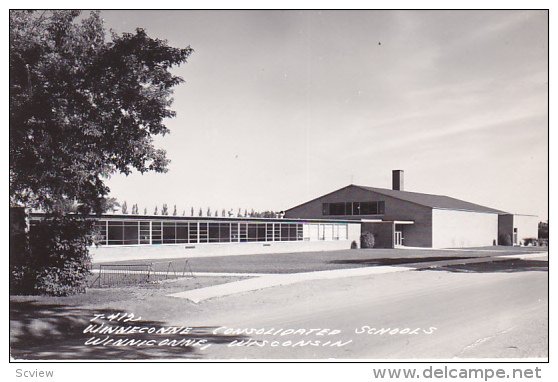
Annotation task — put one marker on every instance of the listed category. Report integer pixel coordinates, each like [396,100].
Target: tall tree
[543,230]
[109,205]
[83,106]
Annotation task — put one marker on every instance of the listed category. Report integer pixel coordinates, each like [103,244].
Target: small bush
[22,279]
[505,239]
[367,240]
[531,241]
[354,245]
[57,259]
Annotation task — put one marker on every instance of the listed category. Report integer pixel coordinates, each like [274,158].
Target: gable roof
[430,200]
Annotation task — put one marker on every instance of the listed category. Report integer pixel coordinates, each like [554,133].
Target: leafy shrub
[18,246]
[367,240]
[57,259]
[505,239]
[531,241]
[22,279]
[354,245]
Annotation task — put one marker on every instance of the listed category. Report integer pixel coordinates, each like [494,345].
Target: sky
[280,107]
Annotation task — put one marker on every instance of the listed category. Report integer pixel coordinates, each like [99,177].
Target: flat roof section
[206,218]
[387,221]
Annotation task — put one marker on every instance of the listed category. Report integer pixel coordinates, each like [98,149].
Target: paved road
[490,313]
[487,310]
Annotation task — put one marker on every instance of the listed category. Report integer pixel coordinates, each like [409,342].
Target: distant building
[333,221]
[401,218]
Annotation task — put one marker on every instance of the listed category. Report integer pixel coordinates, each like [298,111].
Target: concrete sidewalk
[271,280]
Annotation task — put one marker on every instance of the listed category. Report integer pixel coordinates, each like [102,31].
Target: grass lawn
[329,260]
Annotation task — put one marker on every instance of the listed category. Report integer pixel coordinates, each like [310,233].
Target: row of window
[353,208]
[327,231]
[122,232]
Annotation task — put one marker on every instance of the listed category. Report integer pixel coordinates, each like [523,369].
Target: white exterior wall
[527,227]
[458,229]
[104,254]
[354,233]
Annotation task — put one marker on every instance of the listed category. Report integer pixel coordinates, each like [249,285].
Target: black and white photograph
[279,185]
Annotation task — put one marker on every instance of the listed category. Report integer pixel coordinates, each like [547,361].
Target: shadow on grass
[396,261]
[508,266]
[49,331]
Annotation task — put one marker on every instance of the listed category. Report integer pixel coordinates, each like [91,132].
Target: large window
[131,233]
[156,233]
[169,233]
[234,232]
[145,232]
[203,232]
[128,232]
[369,208]
[243,232]
[122,232]
[269,232]
[213,232]
[177,232]
[277,232]
[261,232]
[337,209]
[290,232]
[252,232]
[284,232]
[115,233]
[193,232]
[328,231]
[181,232]
[224,232]
[220,232]
[353,208]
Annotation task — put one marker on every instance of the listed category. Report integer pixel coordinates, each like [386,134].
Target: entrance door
[398,238]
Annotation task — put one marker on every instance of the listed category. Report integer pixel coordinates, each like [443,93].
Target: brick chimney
[397,180]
